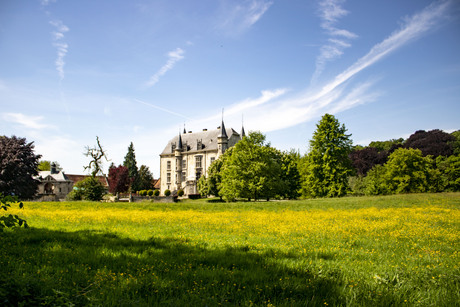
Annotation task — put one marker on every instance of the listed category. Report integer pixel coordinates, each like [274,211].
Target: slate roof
[191,141]
[60,176]
[76,178]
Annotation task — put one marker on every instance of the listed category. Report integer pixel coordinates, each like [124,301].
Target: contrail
[163,109]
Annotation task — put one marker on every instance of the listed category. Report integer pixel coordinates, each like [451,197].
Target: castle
[188,156]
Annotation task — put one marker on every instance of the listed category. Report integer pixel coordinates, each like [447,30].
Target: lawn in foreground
[380,251]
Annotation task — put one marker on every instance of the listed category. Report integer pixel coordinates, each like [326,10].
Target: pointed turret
[223,132]
[179,143]
[222,139]
[243,134]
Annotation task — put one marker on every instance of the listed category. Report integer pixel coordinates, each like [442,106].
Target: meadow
[400,250]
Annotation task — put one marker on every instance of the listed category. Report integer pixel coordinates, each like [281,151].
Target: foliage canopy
[328,164]
[18,165]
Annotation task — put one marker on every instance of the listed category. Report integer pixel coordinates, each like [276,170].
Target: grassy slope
[381,251]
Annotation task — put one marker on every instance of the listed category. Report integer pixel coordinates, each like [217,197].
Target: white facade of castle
[188,156]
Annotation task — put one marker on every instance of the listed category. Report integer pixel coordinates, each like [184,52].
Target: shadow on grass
[45,267]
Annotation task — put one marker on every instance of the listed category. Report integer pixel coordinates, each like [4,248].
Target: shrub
[167,192]
[156,192]
[180,193]
[90,188]
[150,192]
[74,195]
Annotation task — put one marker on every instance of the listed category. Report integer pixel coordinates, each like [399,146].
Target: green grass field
[366,251]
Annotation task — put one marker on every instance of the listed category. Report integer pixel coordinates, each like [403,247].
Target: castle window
[177,163]
[168,165]
[184,164]
[168,178]
[183,177]
[198,161]
[213,159]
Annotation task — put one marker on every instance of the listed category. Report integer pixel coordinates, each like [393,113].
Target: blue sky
[138,71]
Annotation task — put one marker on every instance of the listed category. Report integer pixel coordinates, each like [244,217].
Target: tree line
[428,161]
[126,177]
[333,167]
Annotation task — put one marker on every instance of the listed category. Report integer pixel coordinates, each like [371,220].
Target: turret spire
[179,143]
[223,132]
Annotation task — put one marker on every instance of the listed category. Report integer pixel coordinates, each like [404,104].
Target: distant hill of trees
[428,161]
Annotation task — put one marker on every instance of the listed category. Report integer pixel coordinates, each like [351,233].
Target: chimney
[205,129]
[53,168]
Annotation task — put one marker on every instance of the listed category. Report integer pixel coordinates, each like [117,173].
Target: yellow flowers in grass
[391,250]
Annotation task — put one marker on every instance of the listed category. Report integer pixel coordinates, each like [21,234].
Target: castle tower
[222,140]
[178,156]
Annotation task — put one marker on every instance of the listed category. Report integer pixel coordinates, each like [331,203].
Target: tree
[365,159]
[328,163]
[375,183]
[450,172]
[8,221]
[96,154]
[435,142]
[119,180]
[145,178]
[18,165]
[89,188]
[131,164]
[408,171]
[290,175]
[456,142]
[388,146]
[251,171]
[211,183]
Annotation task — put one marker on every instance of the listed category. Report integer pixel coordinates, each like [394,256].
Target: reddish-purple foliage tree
[365,159]
[435,142]
[18,165]
[119,180]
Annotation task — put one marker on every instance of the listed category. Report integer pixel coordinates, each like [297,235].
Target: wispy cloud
[62,47]
[238,16]
[330,12]
[173,57]
[29,122]
[47,2]
[162,109]
[413,27]
[239,108]
[339,94]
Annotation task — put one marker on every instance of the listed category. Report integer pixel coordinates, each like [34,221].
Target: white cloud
[239,17]
[29,122]
[413,28]
[330,13]
[173,57]
[269,114]
[162,109]
[47,2]
[62,48]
